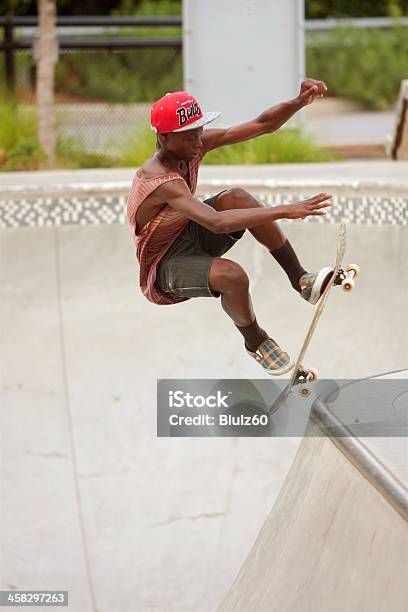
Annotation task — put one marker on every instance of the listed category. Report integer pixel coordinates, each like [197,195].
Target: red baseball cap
[178,111]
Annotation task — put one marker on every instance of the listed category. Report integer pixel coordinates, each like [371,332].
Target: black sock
[287,259]
[253,335]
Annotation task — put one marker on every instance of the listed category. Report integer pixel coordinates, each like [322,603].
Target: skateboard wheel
[313,374]
[304,392]
[348,284]
[353,268]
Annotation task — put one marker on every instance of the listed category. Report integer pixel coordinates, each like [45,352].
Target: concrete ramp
[337,537]
[91,500]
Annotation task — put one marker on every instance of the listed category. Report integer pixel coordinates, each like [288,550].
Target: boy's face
[184,145]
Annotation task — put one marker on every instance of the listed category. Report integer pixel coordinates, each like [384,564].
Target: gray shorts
[184,269]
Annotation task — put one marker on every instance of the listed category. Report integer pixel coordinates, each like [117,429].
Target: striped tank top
[154,239]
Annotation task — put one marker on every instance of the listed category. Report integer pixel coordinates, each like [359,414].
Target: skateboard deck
[301,375]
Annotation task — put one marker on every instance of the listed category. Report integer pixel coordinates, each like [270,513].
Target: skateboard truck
[352,271]
[346,277]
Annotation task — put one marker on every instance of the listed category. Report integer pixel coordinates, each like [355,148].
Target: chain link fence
[104,98]
[104,84]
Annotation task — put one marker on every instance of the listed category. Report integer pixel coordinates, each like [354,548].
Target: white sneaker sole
[278,371]
[281,371]
[315,295]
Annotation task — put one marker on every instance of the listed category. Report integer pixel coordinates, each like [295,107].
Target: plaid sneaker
[313,284]
[271,357]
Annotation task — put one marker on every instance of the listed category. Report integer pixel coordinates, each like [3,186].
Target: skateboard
[346,278]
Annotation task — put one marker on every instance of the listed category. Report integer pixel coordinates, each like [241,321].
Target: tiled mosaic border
[107,209]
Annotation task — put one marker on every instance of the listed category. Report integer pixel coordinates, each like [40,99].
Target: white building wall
[242,57]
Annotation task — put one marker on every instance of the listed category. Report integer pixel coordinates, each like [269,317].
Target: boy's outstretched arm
[268,121]
[177,195]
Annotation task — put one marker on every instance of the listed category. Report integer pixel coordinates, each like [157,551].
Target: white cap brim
[206,118]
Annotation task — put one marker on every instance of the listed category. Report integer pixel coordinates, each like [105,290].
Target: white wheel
[353,268]
[313,374]
[348,284]
[304,391]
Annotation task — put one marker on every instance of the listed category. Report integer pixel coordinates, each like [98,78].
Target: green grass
[19,146]
[282,147]
[20,149]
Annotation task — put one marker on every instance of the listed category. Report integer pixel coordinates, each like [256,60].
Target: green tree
[102,7]
[46,55]
[321,9]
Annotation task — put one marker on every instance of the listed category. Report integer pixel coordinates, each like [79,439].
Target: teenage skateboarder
[180,240]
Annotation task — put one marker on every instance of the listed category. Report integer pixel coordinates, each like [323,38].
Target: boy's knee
[235,198]
[230,276]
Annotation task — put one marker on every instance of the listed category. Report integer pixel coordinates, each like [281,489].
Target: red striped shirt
[155,238]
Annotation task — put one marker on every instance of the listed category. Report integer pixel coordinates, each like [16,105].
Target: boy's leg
[270,235]
[227,278]
[231,281]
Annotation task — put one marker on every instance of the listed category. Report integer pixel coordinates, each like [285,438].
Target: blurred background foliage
[314,9]
[321,9]
[346,58]
[365,65]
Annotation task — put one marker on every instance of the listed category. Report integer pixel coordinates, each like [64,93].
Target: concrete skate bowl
[337,536]
[87,489]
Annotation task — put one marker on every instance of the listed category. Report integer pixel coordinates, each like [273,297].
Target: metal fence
[104,82]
